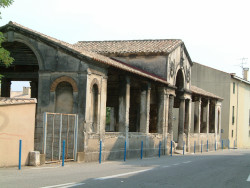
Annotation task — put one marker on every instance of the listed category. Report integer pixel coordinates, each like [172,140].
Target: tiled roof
[199,91]
[10,101]
[130,46]
[84,53]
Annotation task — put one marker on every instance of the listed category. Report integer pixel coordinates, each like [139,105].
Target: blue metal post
[171,147]
[222,145]
[194,146]
[183,146]
[141,149]
[20,154]
[207,145]
[215,146]
[63,153]
[160,149]
[234,144]
[201,146]
[100,153]
[125,150]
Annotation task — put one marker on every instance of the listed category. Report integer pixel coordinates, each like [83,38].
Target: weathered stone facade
[140,83]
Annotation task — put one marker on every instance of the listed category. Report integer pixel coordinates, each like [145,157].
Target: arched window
[179,80]
[64,98]
[94,106]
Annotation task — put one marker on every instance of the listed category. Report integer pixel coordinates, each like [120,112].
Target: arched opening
[94,105]
[64,98]
[177,102]
[179,81]
[24,68]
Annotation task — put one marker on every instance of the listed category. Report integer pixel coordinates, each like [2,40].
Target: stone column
[165,127]
[5,87]
[216,122]
[145,109]
[161,110]
[124,103]
[197,116]
[188,123]
[102,109]
[207,117]
[170,116]
[181,123]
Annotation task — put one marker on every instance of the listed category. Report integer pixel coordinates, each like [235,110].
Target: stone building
[140,83]
[235,117]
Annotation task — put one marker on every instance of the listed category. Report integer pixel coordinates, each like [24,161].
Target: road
[227,168]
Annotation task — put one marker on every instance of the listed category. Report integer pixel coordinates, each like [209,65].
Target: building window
[233,115]
[232,133]
[234,88]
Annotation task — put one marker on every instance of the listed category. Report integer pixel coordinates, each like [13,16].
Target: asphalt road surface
[227,168]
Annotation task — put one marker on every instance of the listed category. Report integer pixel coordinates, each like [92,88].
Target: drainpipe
[237,114]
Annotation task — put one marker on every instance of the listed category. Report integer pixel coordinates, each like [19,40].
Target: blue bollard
[234,144]
[141,149]
[201,146]
[171,147]
[207,145]
[160,149]
[100,153]
[20,154]
[63,153]
[194,146]
[183,146]
[125,152]
[222,145]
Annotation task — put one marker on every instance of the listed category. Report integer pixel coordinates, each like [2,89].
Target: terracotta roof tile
[130,46]
[11,101]
[199,91]
[87,54]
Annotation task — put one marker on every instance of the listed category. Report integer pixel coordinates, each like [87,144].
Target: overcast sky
[215,32]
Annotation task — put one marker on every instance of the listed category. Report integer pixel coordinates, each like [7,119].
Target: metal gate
[58,127]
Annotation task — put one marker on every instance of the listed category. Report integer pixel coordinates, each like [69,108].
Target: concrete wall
[153,64]
[113,145]
[16,122]
[217,82]
[241,101]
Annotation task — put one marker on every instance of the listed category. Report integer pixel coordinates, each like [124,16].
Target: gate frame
[45,124]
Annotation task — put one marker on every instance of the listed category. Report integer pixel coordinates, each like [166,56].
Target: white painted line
[165,166]
[187,162]
[124,174]
[73,184]
[176,164]
[248,179]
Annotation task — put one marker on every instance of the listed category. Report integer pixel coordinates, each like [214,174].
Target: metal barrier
[58,126]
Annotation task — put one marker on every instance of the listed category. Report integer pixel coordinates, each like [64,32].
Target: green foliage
[107,115]
[4,54]
[5,58]
[5,3]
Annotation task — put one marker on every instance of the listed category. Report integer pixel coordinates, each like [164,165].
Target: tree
[5,58]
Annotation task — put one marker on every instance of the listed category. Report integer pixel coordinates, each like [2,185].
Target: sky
[216,33]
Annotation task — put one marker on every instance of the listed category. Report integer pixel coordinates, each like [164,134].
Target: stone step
[179,152]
